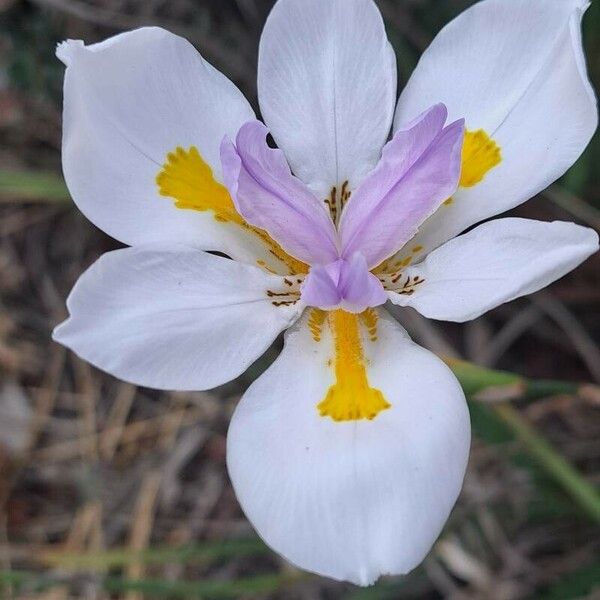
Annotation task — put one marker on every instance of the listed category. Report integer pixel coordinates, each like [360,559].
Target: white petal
[129,101]
[172,318]
[494,263]
[516,69]
[327,88]
[350,500]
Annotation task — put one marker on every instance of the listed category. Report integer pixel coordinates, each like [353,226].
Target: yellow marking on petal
[294,265]
[389,265]
[188,179]
[449,201]
[316,320]
[381,268]
[350,398]
[480,154]
[369,319]
[261,263]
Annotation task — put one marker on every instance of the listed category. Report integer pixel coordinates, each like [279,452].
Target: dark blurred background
[108,491]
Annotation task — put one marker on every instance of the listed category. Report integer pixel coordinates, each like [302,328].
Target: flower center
[345,283]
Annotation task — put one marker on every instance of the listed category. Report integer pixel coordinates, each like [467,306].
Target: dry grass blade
[142,526]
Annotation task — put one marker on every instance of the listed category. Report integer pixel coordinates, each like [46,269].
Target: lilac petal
[320,286]
[268,196]
[359,288]
[419,169]
[343,284]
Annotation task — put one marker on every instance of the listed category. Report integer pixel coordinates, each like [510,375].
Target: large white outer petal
[327,88]
[128,101]
[352,500]
[494,263]
[172,318]
[516,69]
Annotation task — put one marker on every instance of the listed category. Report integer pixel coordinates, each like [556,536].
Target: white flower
[348,454]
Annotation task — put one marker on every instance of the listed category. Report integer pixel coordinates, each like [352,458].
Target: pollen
[189,181]
[480,154]
[351,398]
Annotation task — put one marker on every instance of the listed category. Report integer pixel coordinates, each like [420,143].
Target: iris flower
[349,452]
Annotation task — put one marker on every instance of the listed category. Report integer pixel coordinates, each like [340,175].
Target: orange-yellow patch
[351,398]
[188,179]
[480,154]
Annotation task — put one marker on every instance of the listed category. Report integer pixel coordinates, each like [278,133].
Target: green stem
[485,384]
[481,383]
[552,462]
[30,186]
